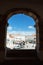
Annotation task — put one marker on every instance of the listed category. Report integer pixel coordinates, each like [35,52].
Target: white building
[19,38]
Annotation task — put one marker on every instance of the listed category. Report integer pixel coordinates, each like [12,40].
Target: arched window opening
[21,32]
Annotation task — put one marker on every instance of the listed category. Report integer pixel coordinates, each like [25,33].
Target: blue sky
[21,24]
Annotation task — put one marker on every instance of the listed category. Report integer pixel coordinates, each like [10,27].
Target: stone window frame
[28,12]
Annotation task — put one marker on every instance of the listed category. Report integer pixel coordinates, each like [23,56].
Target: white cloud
[31,27]
[9,28]
[22,32]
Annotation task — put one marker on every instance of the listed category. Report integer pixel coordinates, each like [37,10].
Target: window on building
[21,32]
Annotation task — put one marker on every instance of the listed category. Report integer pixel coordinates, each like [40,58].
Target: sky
[21,24]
